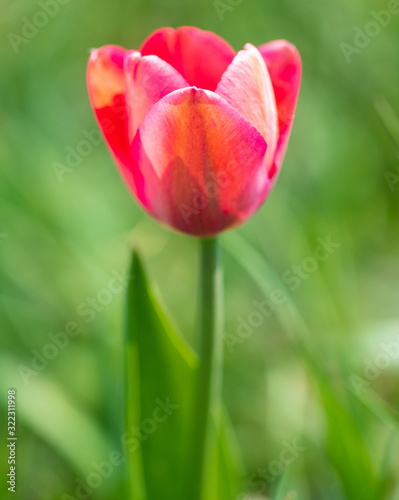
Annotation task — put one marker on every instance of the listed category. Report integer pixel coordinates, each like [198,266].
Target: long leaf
[161,370]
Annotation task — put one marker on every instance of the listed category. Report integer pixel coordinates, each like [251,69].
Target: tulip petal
[106,85]
[247,87]
[148,79]
[201,163]
[285,68]
[201,57]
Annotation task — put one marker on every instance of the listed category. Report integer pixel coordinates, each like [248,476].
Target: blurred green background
[64,236]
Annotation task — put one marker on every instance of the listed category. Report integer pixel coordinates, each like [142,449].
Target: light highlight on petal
[148,79]
[105,76]
[246,86]
[106,85]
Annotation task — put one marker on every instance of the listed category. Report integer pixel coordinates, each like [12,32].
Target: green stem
[208,402]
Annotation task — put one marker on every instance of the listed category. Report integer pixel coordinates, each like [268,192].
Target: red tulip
[198,131]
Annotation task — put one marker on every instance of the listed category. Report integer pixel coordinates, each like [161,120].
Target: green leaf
[160,371]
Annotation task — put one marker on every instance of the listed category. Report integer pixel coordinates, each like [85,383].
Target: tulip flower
[198,131]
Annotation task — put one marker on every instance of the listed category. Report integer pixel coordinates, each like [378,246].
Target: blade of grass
[347,446]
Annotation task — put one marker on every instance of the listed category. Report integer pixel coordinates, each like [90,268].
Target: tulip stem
[209,388]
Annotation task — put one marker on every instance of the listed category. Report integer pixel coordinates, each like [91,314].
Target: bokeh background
[64,232]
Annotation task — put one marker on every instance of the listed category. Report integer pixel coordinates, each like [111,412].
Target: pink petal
[201,163]
[201,57]
[246,86]
[148,79]
[106,85]
[285,68]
